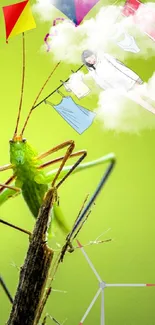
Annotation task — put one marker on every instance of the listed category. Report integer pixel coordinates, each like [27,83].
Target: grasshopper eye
[11,141]
[24,140]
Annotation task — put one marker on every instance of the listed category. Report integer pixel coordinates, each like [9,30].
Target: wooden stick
[34,273]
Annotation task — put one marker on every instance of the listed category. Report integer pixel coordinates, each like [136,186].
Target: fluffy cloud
[117,112]
[98,33]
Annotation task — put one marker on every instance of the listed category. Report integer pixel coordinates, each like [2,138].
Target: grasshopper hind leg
[57,219]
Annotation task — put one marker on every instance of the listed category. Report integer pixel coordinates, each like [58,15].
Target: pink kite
[75,10]
[143,16]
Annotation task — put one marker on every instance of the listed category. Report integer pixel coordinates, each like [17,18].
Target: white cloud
[44,9]
[121,114]
[97,33]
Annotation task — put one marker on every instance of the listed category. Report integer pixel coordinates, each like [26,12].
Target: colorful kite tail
[49,35]
[54,34]
[45,40]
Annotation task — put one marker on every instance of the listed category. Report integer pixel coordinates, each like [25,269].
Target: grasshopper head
[20,151]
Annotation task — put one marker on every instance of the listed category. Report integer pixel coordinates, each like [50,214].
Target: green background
[126,204]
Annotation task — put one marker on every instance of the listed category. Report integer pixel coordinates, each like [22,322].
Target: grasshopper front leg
[5,167]
[7,191]
[7,194]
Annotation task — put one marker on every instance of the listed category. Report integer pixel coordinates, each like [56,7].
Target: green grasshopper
[28,167]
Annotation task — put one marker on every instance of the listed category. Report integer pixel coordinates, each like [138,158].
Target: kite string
[45,84]
[42,88]
[22,86]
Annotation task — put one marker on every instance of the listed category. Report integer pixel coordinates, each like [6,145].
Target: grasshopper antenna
[32,108]
[22,88]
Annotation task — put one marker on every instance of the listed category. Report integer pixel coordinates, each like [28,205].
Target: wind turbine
[102,286]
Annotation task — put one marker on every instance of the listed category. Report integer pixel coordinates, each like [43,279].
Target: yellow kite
[18,18]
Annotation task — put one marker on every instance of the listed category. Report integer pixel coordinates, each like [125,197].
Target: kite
[18,18]
[75,10]
[130,7]
[143,16]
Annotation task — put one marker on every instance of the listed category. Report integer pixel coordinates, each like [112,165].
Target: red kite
[18,18]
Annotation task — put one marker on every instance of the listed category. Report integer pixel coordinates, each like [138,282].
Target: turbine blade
[90,307]
[130,285]
[102,308]
[89,261]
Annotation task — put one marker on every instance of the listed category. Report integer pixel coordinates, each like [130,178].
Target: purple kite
[75,10]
